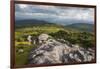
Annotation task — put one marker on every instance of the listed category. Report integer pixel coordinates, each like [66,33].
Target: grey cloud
[55,13]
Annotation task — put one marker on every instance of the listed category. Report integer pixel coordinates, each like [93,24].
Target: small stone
[20,50]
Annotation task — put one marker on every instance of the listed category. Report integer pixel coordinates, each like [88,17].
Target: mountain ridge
[81,26]
[33,22]
[87,27]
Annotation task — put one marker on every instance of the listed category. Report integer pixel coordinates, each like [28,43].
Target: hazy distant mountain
[56,21]
[33,22]
[81,27]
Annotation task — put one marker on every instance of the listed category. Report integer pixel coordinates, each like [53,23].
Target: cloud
[54,13]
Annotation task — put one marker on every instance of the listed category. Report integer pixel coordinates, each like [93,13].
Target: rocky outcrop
[51,51]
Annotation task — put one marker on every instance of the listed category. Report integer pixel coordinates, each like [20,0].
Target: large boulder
[52,52]
[43,38]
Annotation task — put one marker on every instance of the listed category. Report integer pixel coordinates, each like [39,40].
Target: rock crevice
[51,51]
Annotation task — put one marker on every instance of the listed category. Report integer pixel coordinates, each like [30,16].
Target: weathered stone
[20,50]
[53,51]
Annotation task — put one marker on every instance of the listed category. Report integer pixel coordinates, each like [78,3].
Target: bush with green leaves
[84,39]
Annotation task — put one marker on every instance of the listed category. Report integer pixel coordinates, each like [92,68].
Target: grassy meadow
[83,38]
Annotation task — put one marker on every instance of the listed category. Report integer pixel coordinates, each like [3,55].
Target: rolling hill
[33,22]
[81,27]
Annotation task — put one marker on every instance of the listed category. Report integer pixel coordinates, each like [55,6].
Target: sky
[54,14]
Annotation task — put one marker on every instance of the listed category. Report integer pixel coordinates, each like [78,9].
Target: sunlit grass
[22,58]
[22,43]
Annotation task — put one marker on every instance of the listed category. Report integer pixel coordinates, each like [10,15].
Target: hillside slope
[82,27]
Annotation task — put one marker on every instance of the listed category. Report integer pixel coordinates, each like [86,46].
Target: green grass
[71,35]
[22,58]
[21,41]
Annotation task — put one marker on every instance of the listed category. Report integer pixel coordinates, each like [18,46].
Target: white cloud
[22,6]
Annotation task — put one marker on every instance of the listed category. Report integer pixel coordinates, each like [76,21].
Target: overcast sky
[55,14]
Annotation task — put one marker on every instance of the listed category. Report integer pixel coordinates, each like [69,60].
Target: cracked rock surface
[51,51]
